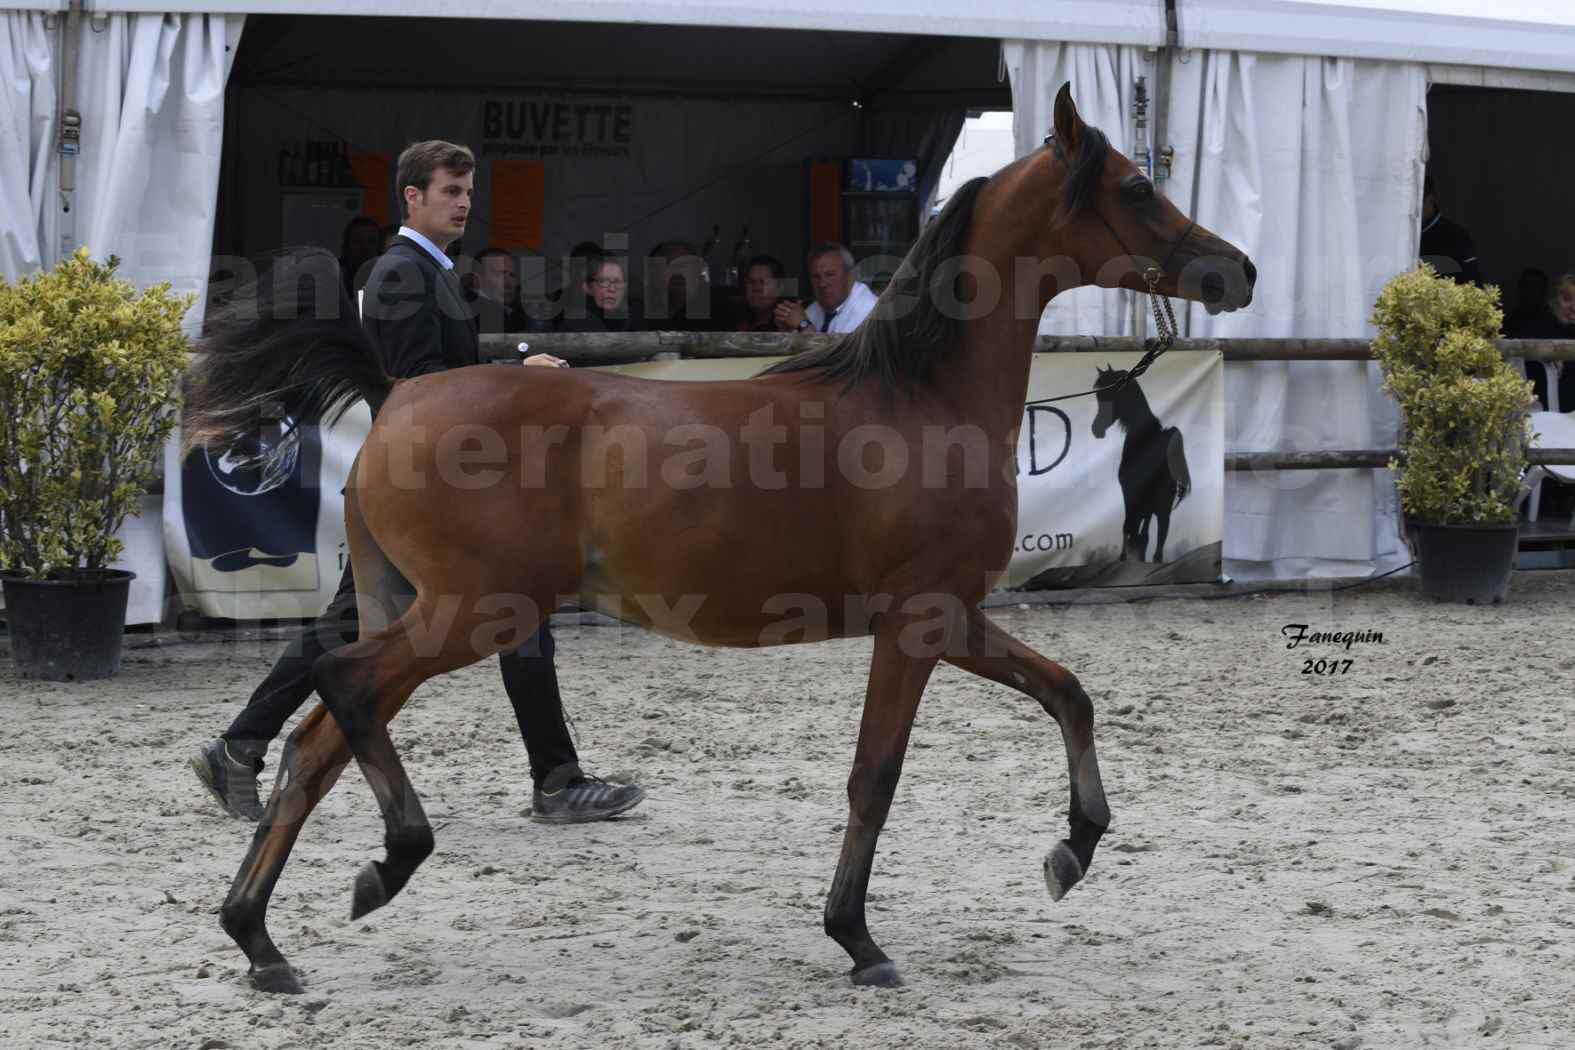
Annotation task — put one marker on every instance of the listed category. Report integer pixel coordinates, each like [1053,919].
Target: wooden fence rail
[607,348]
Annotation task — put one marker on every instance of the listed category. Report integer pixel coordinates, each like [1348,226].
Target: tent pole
[1161,152]
[1143,155]
[69,120]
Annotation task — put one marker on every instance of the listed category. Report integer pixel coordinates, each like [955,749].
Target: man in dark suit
[1445,243]
[494,294]
[415,312]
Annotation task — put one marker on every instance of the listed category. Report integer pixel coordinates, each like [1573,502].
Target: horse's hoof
[878,975]
[277,979]
[369,892]
[1062,870]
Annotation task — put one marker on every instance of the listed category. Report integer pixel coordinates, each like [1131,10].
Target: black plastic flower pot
[67,630]
[1468,564]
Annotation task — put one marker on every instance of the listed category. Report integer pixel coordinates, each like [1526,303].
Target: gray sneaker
[231,781]
[585,800]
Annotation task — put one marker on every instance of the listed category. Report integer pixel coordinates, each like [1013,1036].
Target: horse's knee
[1078,700]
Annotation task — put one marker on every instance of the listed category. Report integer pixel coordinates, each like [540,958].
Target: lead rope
[1164,324]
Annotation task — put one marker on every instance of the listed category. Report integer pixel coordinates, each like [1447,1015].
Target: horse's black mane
[907,332]
[1083,171]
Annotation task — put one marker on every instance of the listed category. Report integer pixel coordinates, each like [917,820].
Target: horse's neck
[1139,419]
[986,378]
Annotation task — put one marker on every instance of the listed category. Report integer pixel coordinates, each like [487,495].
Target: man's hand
[789,315]
[546,361]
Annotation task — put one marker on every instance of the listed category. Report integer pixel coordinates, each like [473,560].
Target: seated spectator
[1444,243]
[607,306]
[359,248]
[1531,303]
[496,294]
[679,296]
[1557,323]
[568,302]
[763,276]
[841,302]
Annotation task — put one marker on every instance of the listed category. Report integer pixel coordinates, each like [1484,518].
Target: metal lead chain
[1164,324]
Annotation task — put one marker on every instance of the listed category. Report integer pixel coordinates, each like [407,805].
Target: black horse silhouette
[1153,472]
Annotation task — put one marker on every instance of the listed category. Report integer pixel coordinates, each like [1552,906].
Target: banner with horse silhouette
[1112,490]
[1125,486]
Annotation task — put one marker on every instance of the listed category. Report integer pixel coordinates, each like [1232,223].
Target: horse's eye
[1143,191]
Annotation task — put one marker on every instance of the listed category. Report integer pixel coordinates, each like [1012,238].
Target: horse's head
[1105,390]
[1120,233]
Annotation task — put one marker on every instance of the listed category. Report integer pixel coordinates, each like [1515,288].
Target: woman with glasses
[606,306]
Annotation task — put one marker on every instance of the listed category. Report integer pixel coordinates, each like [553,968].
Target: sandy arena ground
[1383,858]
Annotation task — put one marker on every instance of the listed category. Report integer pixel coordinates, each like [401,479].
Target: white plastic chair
[1551,430]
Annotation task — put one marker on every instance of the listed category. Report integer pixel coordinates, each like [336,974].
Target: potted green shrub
[89,368]
[1465,428]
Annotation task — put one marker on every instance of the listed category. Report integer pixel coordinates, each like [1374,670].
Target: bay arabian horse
[462,542]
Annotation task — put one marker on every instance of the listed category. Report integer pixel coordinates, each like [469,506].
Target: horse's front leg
[1129,532]
[1163,526]
[898,672]
[996,655]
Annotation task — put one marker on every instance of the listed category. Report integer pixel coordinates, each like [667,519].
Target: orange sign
[519,197]
[825,202]
[372,173]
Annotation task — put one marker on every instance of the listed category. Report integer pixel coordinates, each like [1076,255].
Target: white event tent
[1299,130]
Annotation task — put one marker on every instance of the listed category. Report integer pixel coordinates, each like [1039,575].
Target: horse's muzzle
[1224,284]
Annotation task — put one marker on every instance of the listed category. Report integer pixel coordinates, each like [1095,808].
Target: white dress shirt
[433,250]
[845,318]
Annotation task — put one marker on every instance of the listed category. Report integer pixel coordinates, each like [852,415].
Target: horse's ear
[1068,125]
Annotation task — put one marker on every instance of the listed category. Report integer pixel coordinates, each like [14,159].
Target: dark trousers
[529,678]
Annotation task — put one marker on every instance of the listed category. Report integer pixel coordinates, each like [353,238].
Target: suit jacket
[416,314]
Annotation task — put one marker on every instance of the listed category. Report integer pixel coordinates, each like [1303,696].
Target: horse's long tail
[1176,459]
[289,342]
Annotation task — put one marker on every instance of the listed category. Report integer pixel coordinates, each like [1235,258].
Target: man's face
[830,280]
[440,213]
[499,280]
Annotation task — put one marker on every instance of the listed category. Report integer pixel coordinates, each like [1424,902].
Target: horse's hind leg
[996,655]
[896,682]
[313,758]
[1164,523]
[364,685]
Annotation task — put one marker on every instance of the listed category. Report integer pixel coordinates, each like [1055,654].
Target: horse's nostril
[1213,288]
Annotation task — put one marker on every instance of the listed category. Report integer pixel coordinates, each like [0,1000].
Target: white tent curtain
[1314,167]
[151,92]
[29,57]
[1103,79]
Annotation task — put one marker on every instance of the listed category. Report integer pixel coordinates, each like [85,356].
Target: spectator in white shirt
[841,302]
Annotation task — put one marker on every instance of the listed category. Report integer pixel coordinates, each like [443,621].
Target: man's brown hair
[421,160]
